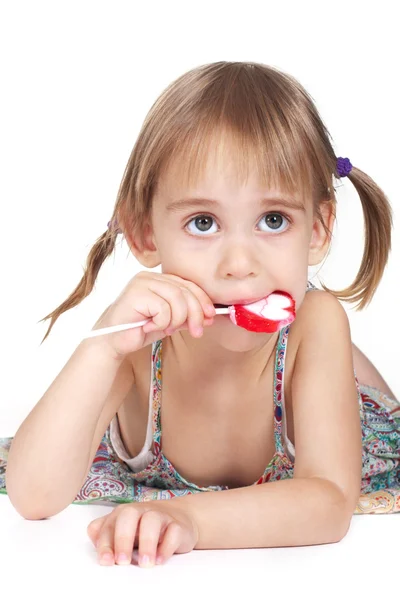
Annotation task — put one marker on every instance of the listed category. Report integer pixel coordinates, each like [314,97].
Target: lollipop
[268,315]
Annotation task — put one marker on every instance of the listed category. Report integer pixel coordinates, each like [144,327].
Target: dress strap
[310,286]
[155,393]
[279,382]
[279,375]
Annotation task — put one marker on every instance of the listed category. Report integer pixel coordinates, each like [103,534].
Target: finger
[206,323]
[179,307]
[105,543]
[195,313]
[126,526]
[168,306]
[94,528]
[150,528]
[155,307]
[171,542]
[190,315]
[177,298]
[204,299]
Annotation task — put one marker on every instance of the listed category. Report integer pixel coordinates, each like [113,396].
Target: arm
[53,448]
[316,506]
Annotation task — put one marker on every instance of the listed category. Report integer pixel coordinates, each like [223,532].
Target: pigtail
[378,224]
[101,249]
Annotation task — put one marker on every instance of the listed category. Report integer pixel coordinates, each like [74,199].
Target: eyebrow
[185,203]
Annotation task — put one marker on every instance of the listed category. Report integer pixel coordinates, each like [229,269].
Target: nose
[238,261]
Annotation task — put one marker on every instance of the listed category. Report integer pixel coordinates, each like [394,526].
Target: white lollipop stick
[115,328]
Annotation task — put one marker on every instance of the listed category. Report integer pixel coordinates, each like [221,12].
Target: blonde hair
[271,121]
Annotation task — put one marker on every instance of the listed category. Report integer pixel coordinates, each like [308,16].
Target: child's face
[234,248]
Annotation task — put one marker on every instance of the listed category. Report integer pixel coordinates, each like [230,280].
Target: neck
[209,360]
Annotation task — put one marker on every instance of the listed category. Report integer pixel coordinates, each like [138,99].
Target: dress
[114,477]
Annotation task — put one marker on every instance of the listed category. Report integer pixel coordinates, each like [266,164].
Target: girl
[230,189]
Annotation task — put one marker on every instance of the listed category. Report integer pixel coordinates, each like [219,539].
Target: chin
[231,337]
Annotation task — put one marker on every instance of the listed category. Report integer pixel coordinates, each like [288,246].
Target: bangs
[257,118]
[277,165]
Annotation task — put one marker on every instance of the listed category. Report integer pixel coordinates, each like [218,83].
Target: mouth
[241,301]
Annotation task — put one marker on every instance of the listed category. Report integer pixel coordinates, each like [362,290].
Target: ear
[145,250]
[320,240]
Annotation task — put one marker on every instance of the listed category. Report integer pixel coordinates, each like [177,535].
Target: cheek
[299,298]
[178,260]
[188,253]
[292,277]
[291,264]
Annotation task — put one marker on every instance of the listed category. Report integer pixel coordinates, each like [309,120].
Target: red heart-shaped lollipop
[267,315]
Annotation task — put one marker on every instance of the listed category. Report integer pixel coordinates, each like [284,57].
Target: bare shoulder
[321,311]
[321,325]
[320,319]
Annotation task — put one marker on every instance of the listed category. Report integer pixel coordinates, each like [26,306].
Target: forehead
[221,167]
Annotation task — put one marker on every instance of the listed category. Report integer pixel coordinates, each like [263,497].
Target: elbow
[337,513]
[346,511]
[30,512]
[333,530]
[341,530]
[27,510]
[30,516]
[35,510]
[31,506]
[341,524]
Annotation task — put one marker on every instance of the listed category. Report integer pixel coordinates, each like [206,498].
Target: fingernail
[145,561]
[198,331]
[123,559]
[106,558]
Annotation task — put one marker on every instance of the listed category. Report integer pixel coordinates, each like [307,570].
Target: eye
[202,224]
[274,221]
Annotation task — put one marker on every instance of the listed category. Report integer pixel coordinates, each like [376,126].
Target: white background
[77,81]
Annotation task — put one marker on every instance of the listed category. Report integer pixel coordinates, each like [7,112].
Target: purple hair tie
[343,166]
[114,223]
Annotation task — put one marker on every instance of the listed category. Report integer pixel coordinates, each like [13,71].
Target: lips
[242,301]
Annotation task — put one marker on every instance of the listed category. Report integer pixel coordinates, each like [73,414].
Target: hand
[168,301]
[157,528]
